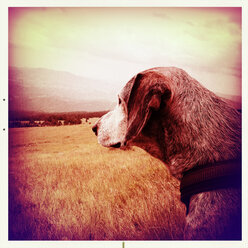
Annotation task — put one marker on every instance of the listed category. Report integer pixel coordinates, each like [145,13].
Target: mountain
[235,101]
[44,90]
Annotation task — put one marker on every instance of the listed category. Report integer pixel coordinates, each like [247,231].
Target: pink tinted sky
[112,44]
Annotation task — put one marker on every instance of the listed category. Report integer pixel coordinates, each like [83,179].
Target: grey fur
[185,125]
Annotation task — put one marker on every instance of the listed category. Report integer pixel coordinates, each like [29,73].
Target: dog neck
[213,176]
[196,139]
[183,136]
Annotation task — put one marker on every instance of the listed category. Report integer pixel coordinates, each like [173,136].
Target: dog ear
[148,92]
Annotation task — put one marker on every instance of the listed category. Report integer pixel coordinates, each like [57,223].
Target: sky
[113,44]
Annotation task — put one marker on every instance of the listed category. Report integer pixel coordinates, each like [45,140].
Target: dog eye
[119,99]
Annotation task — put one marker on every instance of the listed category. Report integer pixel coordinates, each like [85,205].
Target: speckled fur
[214,215]
[198,127]
[176,119]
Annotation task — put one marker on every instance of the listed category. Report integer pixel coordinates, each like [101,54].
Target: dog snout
[94,129]
[117,145]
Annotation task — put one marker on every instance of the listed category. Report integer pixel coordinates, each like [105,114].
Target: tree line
[34,119]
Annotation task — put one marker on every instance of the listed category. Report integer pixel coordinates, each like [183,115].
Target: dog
[174,118]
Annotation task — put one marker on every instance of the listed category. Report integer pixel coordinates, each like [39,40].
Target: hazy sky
[113,44]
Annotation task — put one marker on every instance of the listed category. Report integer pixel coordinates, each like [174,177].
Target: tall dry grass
[65,186]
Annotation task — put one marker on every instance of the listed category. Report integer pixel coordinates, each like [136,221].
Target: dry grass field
[64,186]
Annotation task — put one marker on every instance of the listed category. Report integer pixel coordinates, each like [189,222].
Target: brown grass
[64,186]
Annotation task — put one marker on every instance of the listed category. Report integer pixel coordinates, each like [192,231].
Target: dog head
[174,118]
[142,95]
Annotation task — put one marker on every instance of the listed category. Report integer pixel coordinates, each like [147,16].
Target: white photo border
[4,5]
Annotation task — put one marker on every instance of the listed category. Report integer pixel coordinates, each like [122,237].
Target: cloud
[115,43]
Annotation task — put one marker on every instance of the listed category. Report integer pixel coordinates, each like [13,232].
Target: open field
[64,186]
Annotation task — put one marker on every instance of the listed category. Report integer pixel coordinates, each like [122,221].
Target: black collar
[212,176]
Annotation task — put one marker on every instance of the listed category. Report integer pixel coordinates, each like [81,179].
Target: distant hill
[235,101]
[43,90]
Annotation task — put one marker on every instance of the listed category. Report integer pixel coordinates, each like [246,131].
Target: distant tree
[50,118]
[74,120]
[31,123]
[54,122]
[66,122]
[47,123]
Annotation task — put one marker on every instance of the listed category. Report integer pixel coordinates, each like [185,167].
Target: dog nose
[94,129]
[117,145]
